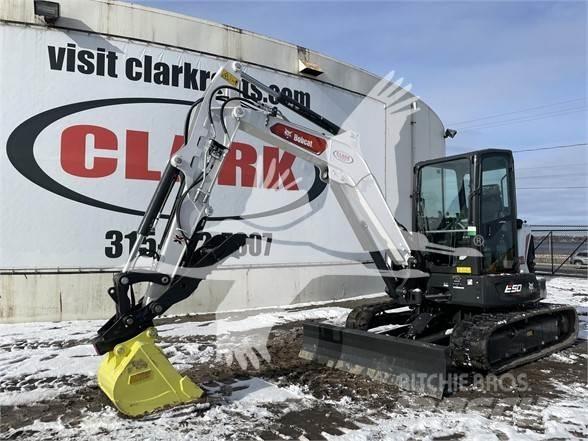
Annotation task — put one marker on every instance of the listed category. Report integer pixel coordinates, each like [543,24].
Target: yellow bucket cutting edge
[138,378]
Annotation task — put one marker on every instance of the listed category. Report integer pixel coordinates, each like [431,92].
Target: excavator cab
[479,307]
[468,201]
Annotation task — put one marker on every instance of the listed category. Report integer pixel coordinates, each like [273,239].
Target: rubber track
[469,339]
[362,317]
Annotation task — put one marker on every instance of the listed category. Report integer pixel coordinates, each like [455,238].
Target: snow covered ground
[48,388]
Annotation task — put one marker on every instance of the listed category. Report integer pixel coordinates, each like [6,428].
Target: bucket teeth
[138,378]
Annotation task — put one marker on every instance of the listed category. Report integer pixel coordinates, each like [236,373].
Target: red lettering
[276,169]
[243,157]
[80,157]
[178,142]
[73,151]
[137,157]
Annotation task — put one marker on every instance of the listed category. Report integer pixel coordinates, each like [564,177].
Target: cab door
[441,208]
[496,213]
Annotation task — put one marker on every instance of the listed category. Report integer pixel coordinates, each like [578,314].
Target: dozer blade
[139,379]
[409,364]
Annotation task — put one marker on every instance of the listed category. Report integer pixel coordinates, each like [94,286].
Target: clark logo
[77,159]
[342,156]
[127,155]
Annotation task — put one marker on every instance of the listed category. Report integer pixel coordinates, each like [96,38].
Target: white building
[93,105]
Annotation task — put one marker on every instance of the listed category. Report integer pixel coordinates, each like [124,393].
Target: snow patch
[16,398]
[261,391]
[49,362]
[568,291]
[259,321]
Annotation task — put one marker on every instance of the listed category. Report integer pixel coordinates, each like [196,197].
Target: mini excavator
[462,291]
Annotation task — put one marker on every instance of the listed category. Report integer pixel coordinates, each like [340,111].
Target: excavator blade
[138,378]
[409,364]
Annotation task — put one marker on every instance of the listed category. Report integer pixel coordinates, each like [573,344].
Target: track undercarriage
[419,347]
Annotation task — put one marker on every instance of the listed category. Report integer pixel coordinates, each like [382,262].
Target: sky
[507,74]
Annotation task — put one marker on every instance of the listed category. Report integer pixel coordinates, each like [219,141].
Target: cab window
[443,205]
[496,214]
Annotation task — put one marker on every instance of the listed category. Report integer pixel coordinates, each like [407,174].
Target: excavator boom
[133,364]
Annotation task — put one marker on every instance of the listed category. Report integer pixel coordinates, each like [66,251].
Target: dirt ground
[343,401]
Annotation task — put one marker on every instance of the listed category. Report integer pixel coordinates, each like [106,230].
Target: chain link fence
[561,250]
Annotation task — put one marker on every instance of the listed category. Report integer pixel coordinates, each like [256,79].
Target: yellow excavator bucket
[138,378]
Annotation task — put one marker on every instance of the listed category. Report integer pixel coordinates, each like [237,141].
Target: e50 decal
[512,288]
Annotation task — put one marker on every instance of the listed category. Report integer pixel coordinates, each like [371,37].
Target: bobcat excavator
[462,292]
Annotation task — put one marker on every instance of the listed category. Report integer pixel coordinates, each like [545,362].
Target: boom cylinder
[158,200]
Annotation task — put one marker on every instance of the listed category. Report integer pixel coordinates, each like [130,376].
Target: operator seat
[492,207]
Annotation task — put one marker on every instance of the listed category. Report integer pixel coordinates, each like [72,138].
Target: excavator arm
[179,265]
